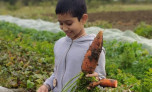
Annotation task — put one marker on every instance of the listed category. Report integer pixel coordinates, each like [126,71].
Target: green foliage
[127,62]
[127,80]
[80,84]
[30,84]
[101,24]
[147,82]
[83,83]
[27,2]
[34,35]
[12,7]
[25,59]
[20,67]
[144,30]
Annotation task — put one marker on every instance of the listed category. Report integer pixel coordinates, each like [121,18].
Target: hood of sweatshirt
[89,37]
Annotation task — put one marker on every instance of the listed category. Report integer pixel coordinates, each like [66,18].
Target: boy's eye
[69,24]
[66,23]
[60,23]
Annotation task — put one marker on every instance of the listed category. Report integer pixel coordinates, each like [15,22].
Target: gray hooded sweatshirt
[69,55]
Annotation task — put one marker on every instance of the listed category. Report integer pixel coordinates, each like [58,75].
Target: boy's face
[71,25]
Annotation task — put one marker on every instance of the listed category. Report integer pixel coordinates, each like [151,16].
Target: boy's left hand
[95,74]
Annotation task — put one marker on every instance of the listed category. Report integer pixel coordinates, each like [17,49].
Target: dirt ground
[123,20]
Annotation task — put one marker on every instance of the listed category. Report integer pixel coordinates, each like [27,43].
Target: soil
[123,20]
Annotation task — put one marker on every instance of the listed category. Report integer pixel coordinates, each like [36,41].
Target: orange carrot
[91,57]
[104,83]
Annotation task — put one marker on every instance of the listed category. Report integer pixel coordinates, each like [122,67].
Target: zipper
[65,62]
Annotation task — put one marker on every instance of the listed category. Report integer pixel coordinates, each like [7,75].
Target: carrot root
[91,57]
[104,83]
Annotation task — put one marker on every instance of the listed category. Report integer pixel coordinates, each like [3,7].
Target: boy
[70,50]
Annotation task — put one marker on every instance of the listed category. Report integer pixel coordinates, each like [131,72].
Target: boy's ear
[84,18]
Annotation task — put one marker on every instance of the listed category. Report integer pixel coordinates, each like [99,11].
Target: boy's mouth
[68,33]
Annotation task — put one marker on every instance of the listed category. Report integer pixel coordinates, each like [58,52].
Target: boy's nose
[64,28]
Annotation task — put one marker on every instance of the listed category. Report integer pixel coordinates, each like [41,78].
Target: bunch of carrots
[88,67]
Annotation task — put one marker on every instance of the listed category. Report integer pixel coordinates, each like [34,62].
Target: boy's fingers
[92,75]
[88,88]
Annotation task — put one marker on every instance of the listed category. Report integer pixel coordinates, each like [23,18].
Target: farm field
[32,52]
[123,20]
[121,16]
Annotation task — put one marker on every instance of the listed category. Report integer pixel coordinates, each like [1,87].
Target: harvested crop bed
[123,20]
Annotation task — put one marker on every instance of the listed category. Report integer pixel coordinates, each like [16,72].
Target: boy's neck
[82,34]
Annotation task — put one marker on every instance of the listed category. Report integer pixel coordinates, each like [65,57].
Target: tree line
[27,2]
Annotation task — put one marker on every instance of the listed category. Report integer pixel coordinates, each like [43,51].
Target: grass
[43,11]
[34,12]
[120,7]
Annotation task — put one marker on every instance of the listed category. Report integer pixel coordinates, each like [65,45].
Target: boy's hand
[95,74]
[43,88]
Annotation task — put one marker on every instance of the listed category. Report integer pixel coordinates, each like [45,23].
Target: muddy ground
[123,20]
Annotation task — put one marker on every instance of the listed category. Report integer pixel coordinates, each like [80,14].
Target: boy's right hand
[43,88]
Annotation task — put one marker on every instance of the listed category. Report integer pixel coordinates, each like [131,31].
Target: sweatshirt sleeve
[100,69]
[49,81]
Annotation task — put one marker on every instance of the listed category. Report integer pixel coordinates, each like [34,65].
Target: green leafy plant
[127,63]
[26,61]
[80,84]
[147,82]
[144,30]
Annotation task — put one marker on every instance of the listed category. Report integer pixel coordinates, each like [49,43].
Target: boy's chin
[71,37]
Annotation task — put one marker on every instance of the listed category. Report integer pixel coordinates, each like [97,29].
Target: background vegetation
[27,59]
[45,9]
